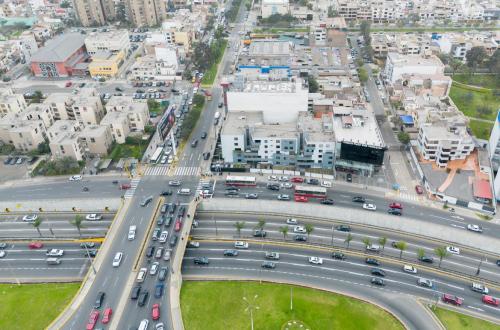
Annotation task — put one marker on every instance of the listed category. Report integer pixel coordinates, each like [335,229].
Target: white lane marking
[476,308]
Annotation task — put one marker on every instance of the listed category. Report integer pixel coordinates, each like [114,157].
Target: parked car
[419,189]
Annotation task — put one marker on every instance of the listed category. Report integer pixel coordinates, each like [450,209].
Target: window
[236,144]
[235,139]
[92,140]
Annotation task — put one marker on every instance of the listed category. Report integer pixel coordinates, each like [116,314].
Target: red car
[155,313]
[297,180]
[35,245]
[106,316]
[396,206]
[69,83]
[125,186]
[451,299]
[301,199]
[419,189]
[94,316]
[178,225]
[491,300]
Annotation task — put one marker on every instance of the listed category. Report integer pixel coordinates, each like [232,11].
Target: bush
[63,166]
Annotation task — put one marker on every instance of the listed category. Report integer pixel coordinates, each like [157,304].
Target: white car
[326,184]
[141,275]
[117,259]
[287,185]
[164,159]
[30,217]
[131,232]
[409,269]
[154,268]
[291,221]
[283,197]
[55,253]
[2,254]
[476,228]
[241,245]
[316,260]
[166,256]
[194,244]
[163,236]
[75,178]
[373,247]
[299,229]
[283,178]
[453,250]
[272,178]
[370,207]
[170,159]
[479,288]
[93,216]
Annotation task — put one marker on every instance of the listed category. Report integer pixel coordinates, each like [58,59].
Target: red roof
[482,189]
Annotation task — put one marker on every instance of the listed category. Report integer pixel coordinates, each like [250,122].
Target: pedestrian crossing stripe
[133,186]
[194,171]
[156,170]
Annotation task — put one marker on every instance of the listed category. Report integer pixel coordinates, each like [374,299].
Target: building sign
[166,122]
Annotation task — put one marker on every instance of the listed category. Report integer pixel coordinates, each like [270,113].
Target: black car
[168,221]
[300,238]
[159,290]
[259,233]
[372,261]
[201,261]
[173,240]
[135,292]
[344,228]
[312,181]
[268,264]
[7,160]
[377,272]
[150,251]
[182,210]
[394,211]
[498,262]
[160,220]
[90,253]
[230,253]
[348,177]
[338,255]
[231,193]
[204,135]
[233,189]
[166,193]
[118,89]
[99,299]
[394,244]
[143,298]
[162,275]
[273,186]
[194,143]
[206,155]
[327,201]
[377,281]
[427,259]
[358,199]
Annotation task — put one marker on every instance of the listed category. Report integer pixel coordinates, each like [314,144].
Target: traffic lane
[16,230]
[56,217]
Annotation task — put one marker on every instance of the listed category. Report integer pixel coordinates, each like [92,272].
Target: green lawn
[481,80]
[480,129]
[209,76]
[220,305]
[33,306]
[128,150]
[468,100]
[453,320]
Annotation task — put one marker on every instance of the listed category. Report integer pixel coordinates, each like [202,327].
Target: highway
[351,275]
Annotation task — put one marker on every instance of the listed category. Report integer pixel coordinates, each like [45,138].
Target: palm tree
[309,229]
[284,231]
[420,253]
[36,224]
[441,252]
[366,242]
[239,226]
[77,222]
[261,224]
[348,239]
[382,241]
[402,246]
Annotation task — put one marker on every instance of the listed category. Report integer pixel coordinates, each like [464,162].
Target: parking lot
[15,168]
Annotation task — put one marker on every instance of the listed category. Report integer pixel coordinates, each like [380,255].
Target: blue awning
[407,119]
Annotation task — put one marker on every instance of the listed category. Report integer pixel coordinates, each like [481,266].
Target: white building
[125,116]
[64,140]
[109,42]
[11,103]
[398,65]
[271,7]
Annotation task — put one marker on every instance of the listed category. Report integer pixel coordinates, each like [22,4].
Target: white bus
[156,156]
[240,181]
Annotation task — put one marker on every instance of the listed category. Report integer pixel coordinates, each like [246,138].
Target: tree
[364,28]
[332,12]
[366,241]
[382,241]
[284,231]
[475,57]
[401,246]
[313,84]
[239,226]
[348,239]
[36,224]
[455,65]
[120,12]
[363,75]
[64,4]
[441,252]
[403,137]
[309,229]
[494,62]
[261,224]
[420,253]
[78,223]
[37,97]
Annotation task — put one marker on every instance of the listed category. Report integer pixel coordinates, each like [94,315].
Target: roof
[59,48]
[407,119]
[482,189]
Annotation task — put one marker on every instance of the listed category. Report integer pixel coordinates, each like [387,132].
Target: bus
[157,155]
[310,191]
[240,181]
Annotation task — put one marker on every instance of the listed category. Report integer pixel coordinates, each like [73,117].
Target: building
[271,7]
[94,12]
[106,64]
[64,140]
[96,139]
[60,56]
[114,42]
[146,12]
[24,135]
[124,116]
[28,45]
[11,103]
[494,154]
[60,105]
[87,109]
[398,65]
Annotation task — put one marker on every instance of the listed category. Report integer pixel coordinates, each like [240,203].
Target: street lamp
[251,305]
[90,259]
[479,266]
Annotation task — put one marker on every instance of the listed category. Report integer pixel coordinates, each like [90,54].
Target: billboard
[362,153]
[166,122]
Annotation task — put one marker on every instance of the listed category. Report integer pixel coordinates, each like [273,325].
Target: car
[94,316]
[453,250]
[106,316]
[251,196]
[394,211]
[358,199]
[162,274]
[348,177]
[90,253]
[19,160]
[297,179]
[241,245]
[425,282]
[272,178]
[2,254]
[451,299]
[125,186]
[490,300]
[259,233]
[338,255]
[136,290]
[206,155]
[193,244]
[155,312]
[178,225]
[230,253]
[3,246]
[283,197]
[194,143]
[146,201]
[142,299]
[231,193]
[35,245]
[396,206]
[283,178]
[159,290]
[87,245]
[150,251]
[54,253]
[159,252]
[426,259]
[117,259]
[93,216]
[475,228]
[370,207]
[312,181]
[30,217]
[99,299]
[13,161]
[131,232]
[164,159]
[286,185]
[273,186]
[291,221]
[166,193]
[299,229]
[409,269]
[156,234]
[201,261]
[173,240]
[161,219]
[377,272]
[327,201]
[221,104]
[300,238]
[7,160]
[326,184]
[315,260]
[372,261]
[163,236]
[174,183]
[344,228]
[68,84]
[377,281]
[166,256]
[373,248]
[75,178]
[272,255]
[154,268]
[419,189]
[203,135]
[268,264]
[479,288]
[160,326]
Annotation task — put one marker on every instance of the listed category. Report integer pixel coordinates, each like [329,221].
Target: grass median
[453,320]
[220,305]
[33,306]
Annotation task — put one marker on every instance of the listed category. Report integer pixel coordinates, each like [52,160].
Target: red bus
[310,191]
[240,181]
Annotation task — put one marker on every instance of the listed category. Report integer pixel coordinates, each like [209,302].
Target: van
[117,259]
[53,261]
[184,191]
[143,325]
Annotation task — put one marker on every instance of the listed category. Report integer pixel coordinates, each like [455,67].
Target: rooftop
[59,48]
[404,60]
[358,127]
[270,47]
[236,121]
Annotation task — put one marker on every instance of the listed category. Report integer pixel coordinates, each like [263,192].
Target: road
[351,275]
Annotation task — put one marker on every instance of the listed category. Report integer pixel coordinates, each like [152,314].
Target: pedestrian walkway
[187,171]
[133,186]
[156,170]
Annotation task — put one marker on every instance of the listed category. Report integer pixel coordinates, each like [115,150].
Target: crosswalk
[133,186]
[187,171]
[156,170]
[410,197]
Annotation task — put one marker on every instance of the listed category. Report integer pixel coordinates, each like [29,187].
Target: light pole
[90,259]
[291,297]
[251,305]
[333,231]
[479,266]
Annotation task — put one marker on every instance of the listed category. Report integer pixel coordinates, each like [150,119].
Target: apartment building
[114,42]
[64,140]
[11,103]
[60,105]
[124,116]
[94,12]
[24,135]
[96,139]
[146,12]
[87,109]
[398,65]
